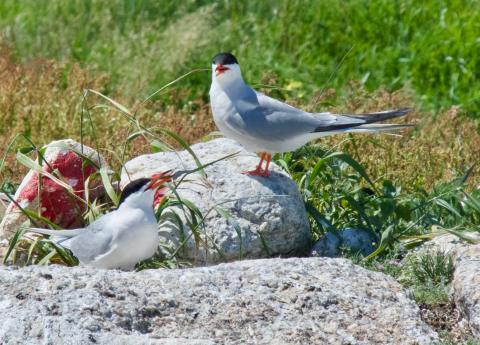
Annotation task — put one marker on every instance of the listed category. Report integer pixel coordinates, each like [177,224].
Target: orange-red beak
[159,179]
[157,183]
[221,69]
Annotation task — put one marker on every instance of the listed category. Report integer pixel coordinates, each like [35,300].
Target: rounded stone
[243,216]
[354,240]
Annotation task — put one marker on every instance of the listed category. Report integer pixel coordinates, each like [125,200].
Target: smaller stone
[354,240]
[449,243]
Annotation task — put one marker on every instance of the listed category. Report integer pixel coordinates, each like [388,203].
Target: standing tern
[263,124]
[121,238]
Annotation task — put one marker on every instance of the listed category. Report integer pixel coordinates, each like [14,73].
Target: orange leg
[258,169]
[268,157]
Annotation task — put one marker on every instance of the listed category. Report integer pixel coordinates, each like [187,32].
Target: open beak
[157,184]
[220,69]
[158,180]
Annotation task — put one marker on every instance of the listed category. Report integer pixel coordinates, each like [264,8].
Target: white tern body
[119,239]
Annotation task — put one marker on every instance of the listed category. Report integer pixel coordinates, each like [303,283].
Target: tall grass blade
[446,205]
[173,82]
[13,243]
[108,187]
[46,259]
[117,105]
[158,146]
[186,147]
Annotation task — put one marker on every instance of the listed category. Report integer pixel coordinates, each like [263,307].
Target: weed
[436,268]
[428,274]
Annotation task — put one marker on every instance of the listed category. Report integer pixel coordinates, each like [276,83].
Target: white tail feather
[64,233]
[376,127]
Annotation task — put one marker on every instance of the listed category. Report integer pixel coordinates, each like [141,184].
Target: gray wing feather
[261,117]
[92,242]
[274,120]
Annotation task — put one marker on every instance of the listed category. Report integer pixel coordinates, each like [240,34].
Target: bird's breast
[225,115]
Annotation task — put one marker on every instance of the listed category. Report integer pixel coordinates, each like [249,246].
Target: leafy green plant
[436,267]
[428,274]
[338,194]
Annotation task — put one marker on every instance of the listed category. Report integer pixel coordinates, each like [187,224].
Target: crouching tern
[121,238]
[265,125]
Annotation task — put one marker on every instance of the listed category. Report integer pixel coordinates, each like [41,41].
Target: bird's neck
[239,92]
[139,200]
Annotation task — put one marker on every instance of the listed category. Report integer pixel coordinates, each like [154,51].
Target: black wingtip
[405,110]
[381,115]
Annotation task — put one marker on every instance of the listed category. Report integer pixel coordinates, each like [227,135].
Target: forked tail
[364,122]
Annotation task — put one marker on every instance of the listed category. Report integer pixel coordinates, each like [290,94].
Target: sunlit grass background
[432,46]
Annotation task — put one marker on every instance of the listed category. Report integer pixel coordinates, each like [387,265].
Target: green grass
[431,46]
[436,268]
[470,341]
[338,194]
[429,275]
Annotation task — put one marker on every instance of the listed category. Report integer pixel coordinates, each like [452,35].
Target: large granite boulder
[270,301]
[54,202]
[244,216]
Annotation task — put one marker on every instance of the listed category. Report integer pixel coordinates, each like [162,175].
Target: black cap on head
[224,59]
[133,187]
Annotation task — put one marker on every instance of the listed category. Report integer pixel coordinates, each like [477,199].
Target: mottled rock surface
[466,284]
[266,215]
[54,202]
[448,243]
[270,301]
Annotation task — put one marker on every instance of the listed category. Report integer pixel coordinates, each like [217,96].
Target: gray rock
[466,284]
[271,301]
[268,213]
[355,240]
[448,243]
